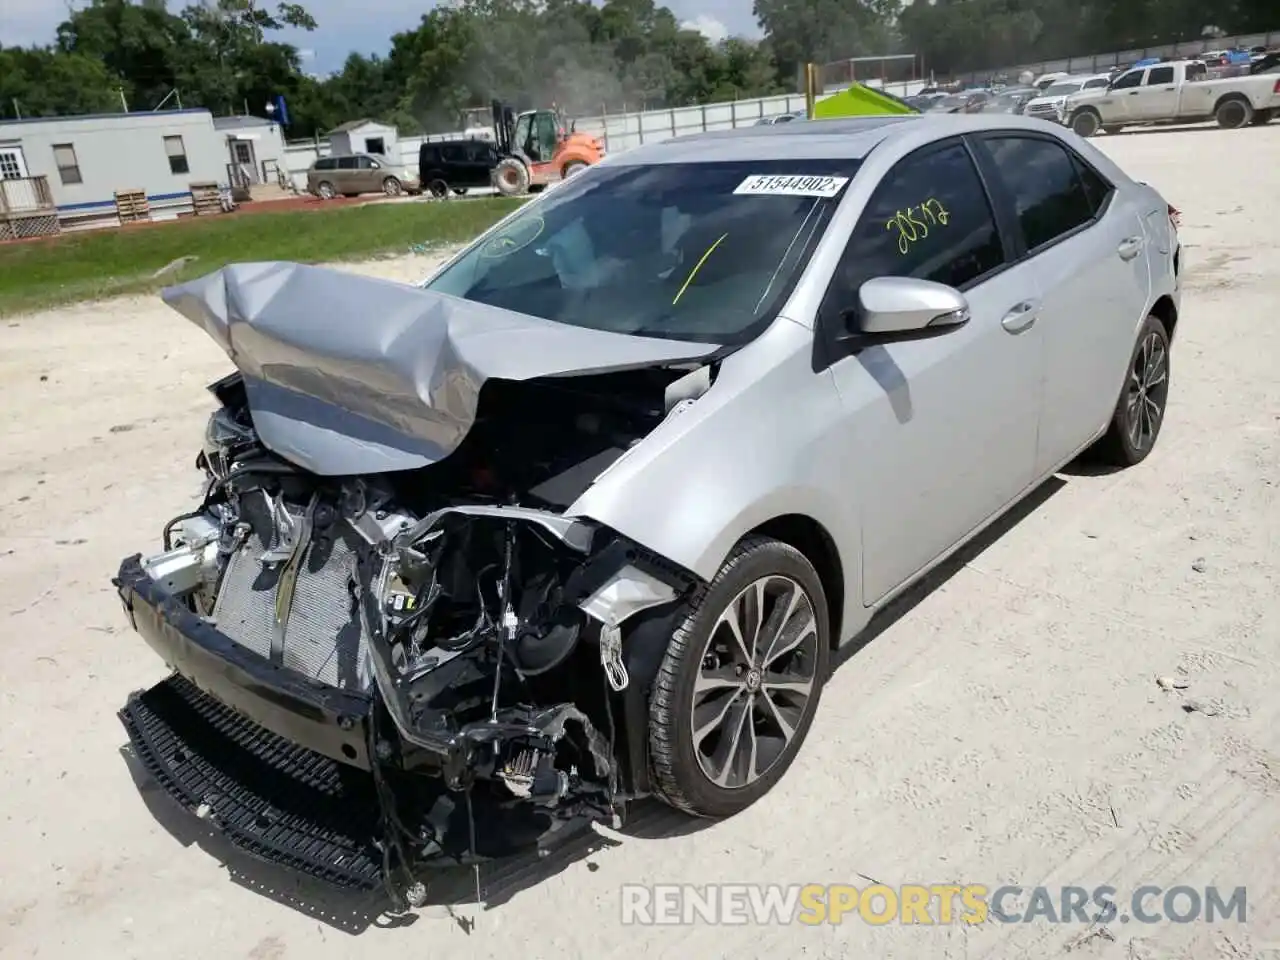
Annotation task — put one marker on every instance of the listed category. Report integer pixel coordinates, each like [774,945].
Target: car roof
[847,138]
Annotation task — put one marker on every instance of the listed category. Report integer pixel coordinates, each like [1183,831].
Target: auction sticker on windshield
[781,185]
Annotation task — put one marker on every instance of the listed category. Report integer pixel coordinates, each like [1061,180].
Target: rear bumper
[317,717]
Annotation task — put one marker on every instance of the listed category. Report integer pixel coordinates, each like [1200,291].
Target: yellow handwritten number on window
[913,223]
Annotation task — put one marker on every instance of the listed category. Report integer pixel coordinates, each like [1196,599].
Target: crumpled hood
[348,374]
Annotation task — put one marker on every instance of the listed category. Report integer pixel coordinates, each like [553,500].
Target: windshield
[1061,89]
[684,251]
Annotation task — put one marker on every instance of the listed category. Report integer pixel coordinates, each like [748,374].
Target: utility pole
[123,102]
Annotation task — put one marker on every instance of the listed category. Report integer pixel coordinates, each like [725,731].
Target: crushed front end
[373,673]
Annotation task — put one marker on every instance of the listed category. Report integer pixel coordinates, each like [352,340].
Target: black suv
[456,165]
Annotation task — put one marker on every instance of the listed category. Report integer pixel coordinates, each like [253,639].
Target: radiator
[324,637]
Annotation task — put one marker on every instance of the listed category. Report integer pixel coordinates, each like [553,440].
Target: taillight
[1276,88]
[1175,216]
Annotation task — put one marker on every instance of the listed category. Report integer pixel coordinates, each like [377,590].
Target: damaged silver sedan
[580,519]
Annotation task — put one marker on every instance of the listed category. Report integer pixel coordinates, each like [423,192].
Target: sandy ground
[1005,728]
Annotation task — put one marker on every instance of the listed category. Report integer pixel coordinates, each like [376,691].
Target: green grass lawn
[99,263]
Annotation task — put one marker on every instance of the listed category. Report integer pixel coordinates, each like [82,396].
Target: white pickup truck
[1175,92]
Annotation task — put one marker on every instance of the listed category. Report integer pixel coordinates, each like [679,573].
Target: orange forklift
[536,149]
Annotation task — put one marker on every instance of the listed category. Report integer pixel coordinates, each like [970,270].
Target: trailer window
[177,155]
[64,158]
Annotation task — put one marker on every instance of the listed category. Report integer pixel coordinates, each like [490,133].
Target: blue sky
[364,27]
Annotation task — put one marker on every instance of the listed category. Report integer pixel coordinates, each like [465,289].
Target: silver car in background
[1051,105]
[584,517]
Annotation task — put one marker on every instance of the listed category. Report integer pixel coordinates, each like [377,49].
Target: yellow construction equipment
[857,101]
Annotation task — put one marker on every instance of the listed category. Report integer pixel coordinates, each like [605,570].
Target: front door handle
[1129,248]
[1021,317]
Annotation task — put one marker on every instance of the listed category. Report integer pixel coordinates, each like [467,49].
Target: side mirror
[894,309]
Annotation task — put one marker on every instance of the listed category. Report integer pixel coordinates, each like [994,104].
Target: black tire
[1110,129]
[1121,446]
[1262,116]
[1233,114]
[438,189]
[460,191]
[511,177]
[1086,123]
[572,168]
[392,187]
[325,191]
[678,771]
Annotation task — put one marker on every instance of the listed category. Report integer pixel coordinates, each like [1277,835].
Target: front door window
[13,165]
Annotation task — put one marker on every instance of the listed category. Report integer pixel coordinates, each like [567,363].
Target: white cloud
[708,26]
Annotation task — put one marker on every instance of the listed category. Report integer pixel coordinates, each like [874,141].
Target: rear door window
[346,163]
[1044,184]
[930,218]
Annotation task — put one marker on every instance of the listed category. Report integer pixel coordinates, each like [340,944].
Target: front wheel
[438,189]
[572,168]
[1139,413]
[392,187]
[326,191]
[1110,129]
[1086,123]
[740,681]
[511,177]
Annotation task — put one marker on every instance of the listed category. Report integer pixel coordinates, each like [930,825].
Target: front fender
[763,442]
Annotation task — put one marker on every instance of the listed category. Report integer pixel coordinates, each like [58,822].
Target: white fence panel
[622,131]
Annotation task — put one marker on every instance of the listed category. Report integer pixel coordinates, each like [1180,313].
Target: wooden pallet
[205,198]
[132,206]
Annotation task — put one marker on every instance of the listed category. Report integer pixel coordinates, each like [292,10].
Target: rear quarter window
[1042,179]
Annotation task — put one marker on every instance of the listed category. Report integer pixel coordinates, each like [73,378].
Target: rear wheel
[460,191]
[1139,414]
[511,177]
[1086,123]
[740,681]
[325,190]
[1233,114]
[438,189]
[573,167]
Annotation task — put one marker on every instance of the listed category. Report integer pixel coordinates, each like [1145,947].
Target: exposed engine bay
[444,635]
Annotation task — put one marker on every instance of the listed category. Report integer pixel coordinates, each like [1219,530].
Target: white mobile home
[86,160]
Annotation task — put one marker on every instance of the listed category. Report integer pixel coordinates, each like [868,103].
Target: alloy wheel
[755,681]
[1148,391]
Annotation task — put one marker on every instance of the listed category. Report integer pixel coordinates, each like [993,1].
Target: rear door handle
[1021,317]
[1129,248]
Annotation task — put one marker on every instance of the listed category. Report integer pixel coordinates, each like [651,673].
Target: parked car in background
[1010,101]
[1046,80]
[1051,104]
[457,165]
[952,103]
[1265,63]
[351,174]
[1175,92]
[781,118]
